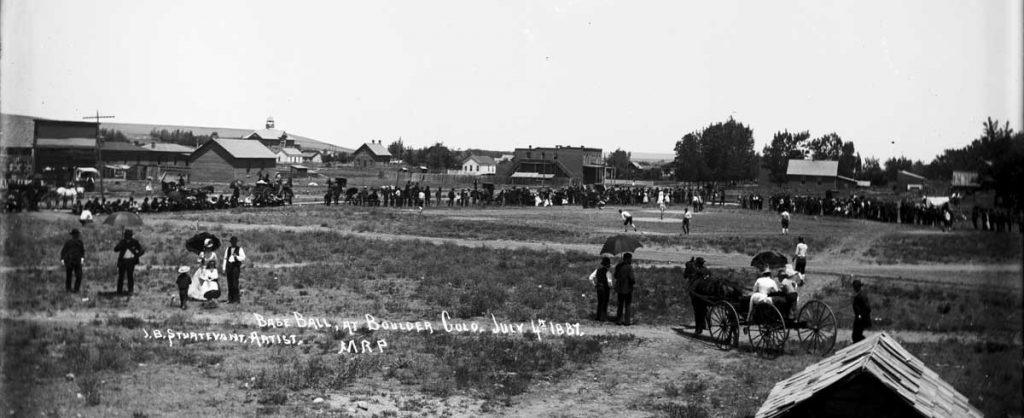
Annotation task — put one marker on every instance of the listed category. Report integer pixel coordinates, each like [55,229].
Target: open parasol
[770,259]
[197,243]
[619,244]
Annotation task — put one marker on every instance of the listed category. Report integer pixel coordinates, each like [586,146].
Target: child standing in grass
[183,282]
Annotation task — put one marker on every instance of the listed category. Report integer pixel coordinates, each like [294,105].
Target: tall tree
[893,165]
[826,147]
[397,148]
[728,150]
[689,162]
[437,157]
[620,160]
[849,160]
[785,146]
[872,170]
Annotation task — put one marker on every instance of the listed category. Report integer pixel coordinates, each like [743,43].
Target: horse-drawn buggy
[270,194]
[767,322]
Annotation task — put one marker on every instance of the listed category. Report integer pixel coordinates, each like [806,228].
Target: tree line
[725,152]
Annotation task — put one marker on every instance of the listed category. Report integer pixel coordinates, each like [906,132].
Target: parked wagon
[768,329]
[767,325]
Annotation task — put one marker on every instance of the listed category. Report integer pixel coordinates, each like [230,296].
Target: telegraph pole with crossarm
[99,146]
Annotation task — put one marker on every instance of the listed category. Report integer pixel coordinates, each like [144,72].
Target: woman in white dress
[204,283]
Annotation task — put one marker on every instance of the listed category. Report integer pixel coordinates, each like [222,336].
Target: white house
[288,155]
[312,157]
[478,165]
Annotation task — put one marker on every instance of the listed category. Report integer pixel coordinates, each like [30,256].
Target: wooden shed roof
[243,148]
[887,361]
[480,159]
[376,149]
[812,168]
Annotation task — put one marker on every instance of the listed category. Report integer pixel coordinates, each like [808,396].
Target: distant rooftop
[812,168]
[242,148]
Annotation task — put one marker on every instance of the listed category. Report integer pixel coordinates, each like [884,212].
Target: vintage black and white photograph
[456,208]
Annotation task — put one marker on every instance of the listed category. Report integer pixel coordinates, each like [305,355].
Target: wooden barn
[225,160]
[875,378]
[812,173]
[371,154]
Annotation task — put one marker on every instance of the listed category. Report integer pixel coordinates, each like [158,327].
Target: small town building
[966,180]
[161,161]
[371,154]
[289,155]
[812,172]
[875,378]
[226,160]
[270,136]
[478,165]
[559,164]
[58,147]
[313,156]
[906,181]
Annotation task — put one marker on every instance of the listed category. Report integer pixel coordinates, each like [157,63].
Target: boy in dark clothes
[184,280]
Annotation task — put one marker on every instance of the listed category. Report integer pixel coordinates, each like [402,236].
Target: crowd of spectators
[905,211]
[413,195]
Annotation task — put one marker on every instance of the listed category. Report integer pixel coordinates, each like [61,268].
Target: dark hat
[700,261]
[857,284]
[233,240]
[74,232]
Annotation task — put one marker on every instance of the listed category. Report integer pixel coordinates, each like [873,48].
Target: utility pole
[99,146]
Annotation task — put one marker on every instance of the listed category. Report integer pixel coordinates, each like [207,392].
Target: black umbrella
[619,244]
[770,259]
[197,243]
[123,219]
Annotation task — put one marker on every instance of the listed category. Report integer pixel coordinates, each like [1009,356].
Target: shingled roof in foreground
[889,363]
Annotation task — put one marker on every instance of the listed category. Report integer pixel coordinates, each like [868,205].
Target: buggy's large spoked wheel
[768,332]
[723,324]
[817,331]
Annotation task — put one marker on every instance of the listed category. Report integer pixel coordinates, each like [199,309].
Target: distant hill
[140,132]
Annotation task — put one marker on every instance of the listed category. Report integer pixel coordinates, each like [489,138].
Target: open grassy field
[954,298]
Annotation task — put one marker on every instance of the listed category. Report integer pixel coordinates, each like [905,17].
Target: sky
[908,78]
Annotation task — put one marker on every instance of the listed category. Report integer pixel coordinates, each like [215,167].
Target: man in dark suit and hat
[861,311]
[233,258]
[72,255]
[603,284]
[624,282]
[698,274]
[128,252]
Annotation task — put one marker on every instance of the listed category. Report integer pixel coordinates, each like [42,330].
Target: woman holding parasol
[205,245]
[204,284]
